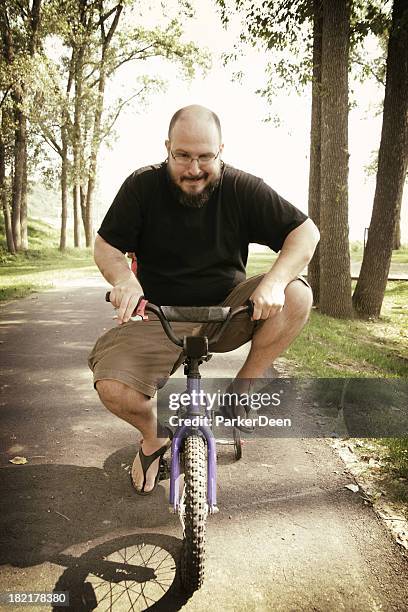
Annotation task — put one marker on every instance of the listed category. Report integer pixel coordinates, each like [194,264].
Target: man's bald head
[195,112]
[194,149]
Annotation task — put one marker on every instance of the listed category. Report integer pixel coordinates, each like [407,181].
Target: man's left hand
[268,299]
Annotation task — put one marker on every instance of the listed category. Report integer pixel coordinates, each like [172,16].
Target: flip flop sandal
[147,460]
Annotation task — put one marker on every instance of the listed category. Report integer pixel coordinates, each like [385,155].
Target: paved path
[289,536]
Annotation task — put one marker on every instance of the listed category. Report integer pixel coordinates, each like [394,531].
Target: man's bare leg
[277,333]
[136,409]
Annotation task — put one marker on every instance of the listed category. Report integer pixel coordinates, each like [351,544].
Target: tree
[64,106]
[76,119]
[286,26]
[392,169]
[335,277]
[20,30]
[313,271]
[5,161]
[374,68]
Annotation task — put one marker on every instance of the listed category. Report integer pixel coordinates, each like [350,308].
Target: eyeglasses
[184,159]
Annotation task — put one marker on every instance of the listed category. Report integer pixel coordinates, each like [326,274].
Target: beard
[193,200]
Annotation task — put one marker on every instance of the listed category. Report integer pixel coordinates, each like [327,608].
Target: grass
[398,257]
[331,347]
[397,460]
[43,265]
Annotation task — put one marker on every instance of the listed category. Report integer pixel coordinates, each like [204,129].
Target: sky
[278,154]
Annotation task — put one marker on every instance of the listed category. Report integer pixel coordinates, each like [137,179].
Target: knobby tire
[195,499]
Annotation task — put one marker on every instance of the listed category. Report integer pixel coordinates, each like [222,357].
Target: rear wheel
[194,510]
[237,443]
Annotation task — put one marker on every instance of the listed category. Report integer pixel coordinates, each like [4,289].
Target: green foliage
[79,49]
[131,42]
[285,28]
[397,459]
[356,248]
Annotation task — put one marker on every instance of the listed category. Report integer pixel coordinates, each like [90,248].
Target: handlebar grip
[107,296]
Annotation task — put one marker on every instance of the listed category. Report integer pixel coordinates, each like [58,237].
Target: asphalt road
[289,536]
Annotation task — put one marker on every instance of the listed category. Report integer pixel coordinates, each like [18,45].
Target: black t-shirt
[195,256]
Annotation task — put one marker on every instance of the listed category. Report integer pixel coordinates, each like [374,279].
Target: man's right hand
[125,297]
[114,267]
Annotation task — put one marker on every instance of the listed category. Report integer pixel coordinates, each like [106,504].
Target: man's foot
[146,466]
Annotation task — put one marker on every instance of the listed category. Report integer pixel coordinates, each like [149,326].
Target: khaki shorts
[139,354]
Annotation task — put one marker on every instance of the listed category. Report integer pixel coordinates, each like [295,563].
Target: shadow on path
[136,572]
[46,509]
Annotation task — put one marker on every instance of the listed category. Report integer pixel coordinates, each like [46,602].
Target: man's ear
[167,145]
[221,148]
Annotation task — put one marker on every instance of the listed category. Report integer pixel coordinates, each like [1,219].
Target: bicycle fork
[182,431]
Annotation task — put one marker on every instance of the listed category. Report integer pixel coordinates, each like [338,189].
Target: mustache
[194,178]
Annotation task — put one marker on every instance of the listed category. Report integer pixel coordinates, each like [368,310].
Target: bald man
[189,220]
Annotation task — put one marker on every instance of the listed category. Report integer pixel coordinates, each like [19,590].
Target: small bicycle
[193,449]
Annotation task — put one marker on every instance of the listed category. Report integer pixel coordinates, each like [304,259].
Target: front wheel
[194,511]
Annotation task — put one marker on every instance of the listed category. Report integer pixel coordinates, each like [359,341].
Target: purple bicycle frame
[193,384]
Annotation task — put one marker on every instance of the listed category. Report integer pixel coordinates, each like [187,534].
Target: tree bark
[397,233]
[313,271]
[19,144]
[19,188]
[335,277]
[64,156]
[77,217]
[82,205]
[396,245]
[64,190]
[77,140]
[392,168]
[89,237]
[24,207]
[4,196]
[35,15]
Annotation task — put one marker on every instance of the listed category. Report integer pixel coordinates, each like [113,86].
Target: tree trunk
[19,146]
[35,18]
[77,143]
[64,190]
[94,159]
[77,217]
[106,38]
[24,207]
[4,198]
[82,204]
[65,119]
[396,245]
[335,277]
[313,271]
[391,173]
[8,55]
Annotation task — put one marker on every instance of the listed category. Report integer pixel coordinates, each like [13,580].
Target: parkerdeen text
[200,421]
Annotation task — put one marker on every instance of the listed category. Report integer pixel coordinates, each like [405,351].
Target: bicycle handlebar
[193,314]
